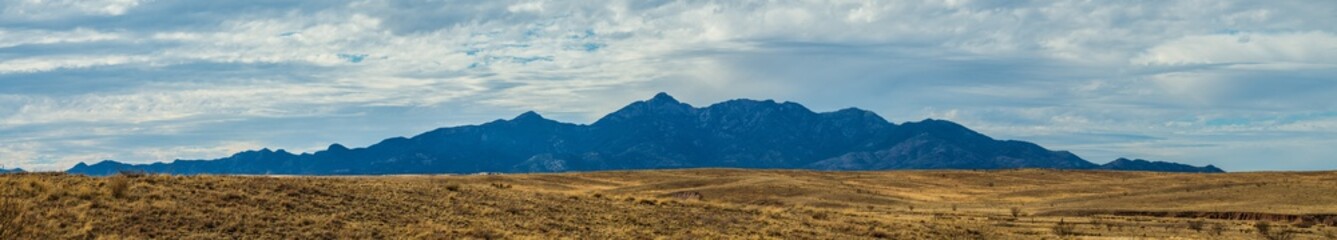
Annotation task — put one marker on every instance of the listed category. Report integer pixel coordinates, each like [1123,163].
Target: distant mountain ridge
[16,170]
[662,133]
[1156,166]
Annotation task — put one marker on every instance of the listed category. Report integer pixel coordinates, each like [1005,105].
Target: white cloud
[533,6]
[48,9]
[13,155]
[213,151]
[1244,48]
[10,38]
[44,64]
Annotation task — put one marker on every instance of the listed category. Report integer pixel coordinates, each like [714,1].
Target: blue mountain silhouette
[662,133]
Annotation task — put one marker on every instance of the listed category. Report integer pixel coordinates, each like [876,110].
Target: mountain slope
[657,133]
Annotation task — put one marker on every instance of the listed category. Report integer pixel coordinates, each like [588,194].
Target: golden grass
[686,204]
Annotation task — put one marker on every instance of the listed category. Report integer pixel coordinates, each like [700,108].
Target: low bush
[118,185]
[1064,228]
[1218,228]
[1265,230]
[1196,225]
[648,202]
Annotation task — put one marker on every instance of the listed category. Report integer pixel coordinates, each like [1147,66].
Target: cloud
[44,64]
[30,37]
[61,8]
[1105,79]
[1297,49]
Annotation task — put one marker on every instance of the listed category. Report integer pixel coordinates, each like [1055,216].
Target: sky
[1243,85]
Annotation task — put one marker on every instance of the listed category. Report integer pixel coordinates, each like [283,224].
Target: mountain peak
[528,115]
[855,112]
[657,107]
[944,126]
[663,97]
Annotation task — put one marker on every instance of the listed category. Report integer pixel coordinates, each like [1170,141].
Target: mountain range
[662,133]
[16,170]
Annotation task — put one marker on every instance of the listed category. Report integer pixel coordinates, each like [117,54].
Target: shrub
[1064,229]
[879,234]
[132,173]
[1016,212]
[1096,222]
[1217,229]
[118,185]
[1281,235]
[1265,230]
[485,233]
[1196,225]
[821,215]
[453,187]
[1305,224]
[648,202]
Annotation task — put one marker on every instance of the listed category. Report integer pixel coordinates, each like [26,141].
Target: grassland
[677,204]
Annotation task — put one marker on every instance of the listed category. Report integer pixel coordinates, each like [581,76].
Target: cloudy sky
[1244,85]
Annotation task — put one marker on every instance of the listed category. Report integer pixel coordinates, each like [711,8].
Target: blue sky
[1244,85]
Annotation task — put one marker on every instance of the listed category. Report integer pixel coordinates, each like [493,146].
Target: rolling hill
[676,204]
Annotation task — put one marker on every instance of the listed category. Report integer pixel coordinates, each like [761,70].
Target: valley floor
[678,204]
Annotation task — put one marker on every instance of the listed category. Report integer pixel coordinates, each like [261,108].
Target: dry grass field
[677,204]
